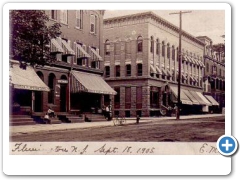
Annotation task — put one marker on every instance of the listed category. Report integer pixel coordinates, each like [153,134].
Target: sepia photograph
[117,81]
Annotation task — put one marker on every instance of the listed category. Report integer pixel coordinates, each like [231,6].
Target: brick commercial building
[214,74]
[74,82]
[141,65]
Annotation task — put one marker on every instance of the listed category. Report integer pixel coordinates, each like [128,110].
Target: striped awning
[83,52]
[25,78]
[158,70]
[56,47]
[67,49]
[96,54]
[212,100]
[92,83]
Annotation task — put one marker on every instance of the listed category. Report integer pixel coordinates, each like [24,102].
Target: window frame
[79,19]
[64,16]
[140,44]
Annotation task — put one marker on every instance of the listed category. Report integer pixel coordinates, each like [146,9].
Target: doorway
[38,101]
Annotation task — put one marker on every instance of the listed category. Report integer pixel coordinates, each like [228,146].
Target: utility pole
[179,61]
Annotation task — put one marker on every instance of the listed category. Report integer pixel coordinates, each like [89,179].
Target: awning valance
[212,100]
[205,101]
[25,78]
[92,83]
[96,54]
[83,52]
[183,96]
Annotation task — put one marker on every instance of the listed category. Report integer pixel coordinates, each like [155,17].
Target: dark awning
[25,78]
[92,83]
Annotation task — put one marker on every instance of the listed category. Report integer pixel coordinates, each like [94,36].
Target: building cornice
[155,17]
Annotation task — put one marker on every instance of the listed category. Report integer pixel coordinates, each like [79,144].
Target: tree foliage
[220,49]
[30,36]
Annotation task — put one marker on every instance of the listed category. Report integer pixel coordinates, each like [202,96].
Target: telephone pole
[179,61]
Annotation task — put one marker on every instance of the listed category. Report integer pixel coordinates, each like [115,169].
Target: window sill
[80,29]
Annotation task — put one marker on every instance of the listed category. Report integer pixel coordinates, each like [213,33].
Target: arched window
[152,45]
[157,47]
[139,44]
[107,47]
[168,51]
[64,77]
[163,49]
[51,85]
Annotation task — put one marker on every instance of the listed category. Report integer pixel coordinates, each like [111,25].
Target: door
[38,101]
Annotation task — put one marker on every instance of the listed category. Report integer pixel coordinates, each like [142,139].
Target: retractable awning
[191,97]
[92,83]
[169,73]
[212,100]
[96,54]
[203,99]
[25,78]
[164,72]
[84,53]
[158,70]
[67,49]
[152,69]
[183,96]
[196,96]
[56,47]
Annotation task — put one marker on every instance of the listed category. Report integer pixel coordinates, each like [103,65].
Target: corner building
[141,65]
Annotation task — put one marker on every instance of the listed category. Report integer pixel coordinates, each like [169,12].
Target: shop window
[127,97]
[117,98]
[139,97]
[51,85]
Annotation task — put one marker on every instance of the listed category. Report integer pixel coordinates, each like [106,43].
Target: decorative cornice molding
[146,15]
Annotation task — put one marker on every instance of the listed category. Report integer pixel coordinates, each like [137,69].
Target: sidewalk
[15,130]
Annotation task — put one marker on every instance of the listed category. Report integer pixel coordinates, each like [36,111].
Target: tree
[30,36]
[220,49]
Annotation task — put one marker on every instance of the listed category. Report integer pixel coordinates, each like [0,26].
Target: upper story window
[117,71]
[107,71]
[139,69]
[168,51]
[79,19]
[93,24]
[152,45]
[207,67]
[107,47]
[173,53]
[128,47]
[158,47]
[139,44]
[128,70]
[53,14]
[64,16]
[163,49]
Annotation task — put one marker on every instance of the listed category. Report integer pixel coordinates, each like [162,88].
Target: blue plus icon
[227,145]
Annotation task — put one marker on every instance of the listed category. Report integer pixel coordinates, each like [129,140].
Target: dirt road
[197,130]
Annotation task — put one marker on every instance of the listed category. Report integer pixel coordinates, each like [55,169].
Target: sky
[209,23]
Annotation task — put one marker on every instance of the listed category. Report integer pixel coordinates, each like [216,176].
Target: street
[189,130]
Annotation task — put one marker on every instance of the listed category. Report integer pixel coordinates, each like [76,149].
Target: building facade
[75,80]
[214,74]
[141,65]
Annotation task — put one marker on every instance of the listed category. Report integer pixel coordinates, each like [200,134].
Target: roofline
[153,15]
